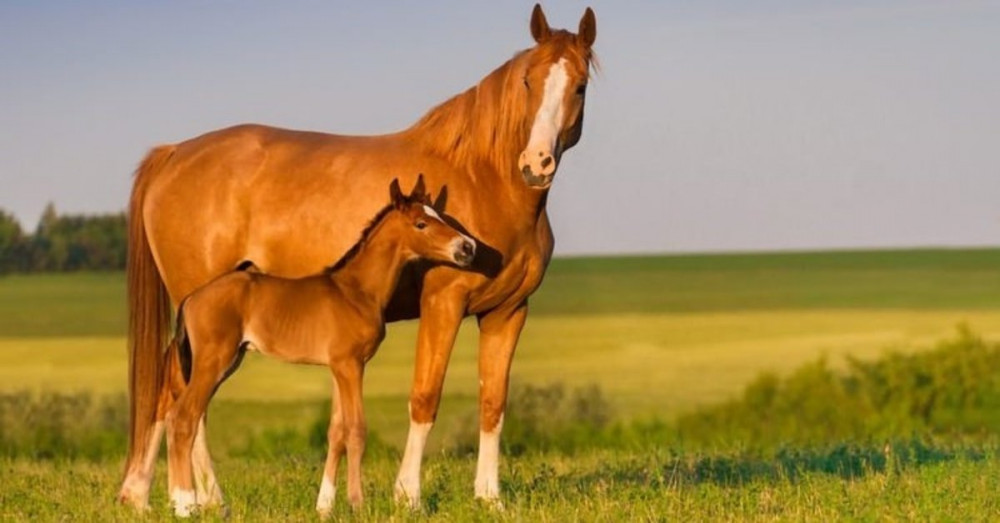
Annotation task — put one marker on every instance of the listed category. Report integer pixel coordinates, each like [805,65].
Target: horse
[333,318]
[292,200]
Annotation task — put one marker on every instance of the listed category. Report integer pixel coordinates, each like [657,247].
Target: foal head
[420,231]
[552,77]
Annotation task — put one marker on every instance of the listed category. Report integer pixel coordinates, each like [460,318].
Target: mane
[365,235]
[487,122]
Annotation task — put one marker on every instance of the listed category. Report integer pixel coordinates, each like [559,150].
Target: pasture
[659,336]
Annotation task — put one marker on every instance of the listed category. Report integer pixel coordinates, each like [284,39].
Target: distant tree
[63,243]
[11,242]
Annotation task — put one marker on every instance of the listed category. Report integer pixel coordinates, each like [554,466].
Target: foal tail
[176,368]
[149,314]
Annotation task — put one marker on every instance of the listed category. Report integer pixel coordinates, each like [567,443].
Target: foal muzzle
[464,251]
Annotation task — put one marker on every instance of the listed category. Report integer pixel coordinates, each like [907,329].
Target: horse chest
[517,280]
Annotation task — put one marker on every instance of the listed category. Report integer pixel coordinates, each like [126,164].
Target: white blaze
[429,211]
[549,117]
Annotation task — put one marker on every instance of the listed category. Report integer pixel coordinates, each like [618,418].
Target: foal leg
[336,437]
[183,421]
[350,374]
[498,334]
[439,324]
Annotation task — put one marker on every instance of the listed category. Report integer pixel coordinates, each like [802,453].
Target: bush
[953,389]
[544,418]
[70,426]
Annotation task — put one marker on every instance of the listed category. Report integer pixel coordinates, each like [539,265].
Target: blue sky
[714,126]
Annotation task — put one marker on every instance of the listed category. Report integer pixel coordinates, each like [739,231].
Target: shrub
[73,426]
[952,389]
[545,418]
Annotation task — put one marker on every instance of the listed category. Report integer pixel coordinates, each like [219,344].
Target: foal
[334,318]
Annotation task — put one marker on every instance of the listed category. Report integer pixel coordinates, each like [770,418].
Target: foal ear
[588,28]
[539,25]
[395,195]
[419,192]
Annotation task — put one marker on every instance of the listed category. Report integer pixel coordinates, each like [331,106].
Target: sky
[712,126]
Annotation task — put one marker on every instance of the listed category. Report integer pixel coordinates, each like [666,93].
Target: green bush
[310,444]
[71,426]
[541,418]
[951,390]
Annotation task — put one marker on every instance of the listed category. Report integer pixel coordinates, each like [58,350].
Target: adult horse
[290,201]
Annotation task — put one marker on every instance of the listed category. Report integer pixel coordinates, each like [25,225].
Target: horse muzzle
[538,168]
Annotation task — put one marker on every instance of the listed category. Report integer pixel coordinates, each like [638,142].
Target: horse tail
[149,313]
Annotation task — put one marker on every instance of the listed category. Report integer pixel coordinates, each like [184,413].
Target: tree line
[62,243]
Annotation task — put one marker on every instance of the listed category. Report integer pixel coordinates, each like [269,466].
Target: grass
[822,485]
[660,335]
[93,304]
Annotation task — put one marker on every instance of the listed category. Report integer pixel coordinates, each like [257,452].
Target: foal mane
[365,235]
[489,122]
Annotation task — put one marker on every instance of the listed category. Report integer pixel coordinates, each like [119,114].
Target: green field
[660,336]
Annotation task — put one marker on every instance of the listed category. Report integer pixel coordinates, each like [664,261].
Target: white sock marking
[408,480]
[183,501]
[327,495]
[488,465]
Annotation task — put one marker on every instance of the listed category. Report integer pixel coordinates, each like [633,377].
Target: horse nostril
[546,162]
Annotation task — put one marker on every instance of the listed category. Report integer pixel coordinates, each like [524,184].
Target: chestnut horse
[278,197]
[334,318]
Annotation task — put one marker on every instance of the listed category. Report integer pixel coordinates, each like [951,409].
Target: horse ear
[395,194]
[588,28]
[419,192]
[539,25]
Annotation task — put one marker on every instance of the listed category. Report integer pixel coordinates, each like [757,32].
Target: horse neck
[374,271]
[481,131]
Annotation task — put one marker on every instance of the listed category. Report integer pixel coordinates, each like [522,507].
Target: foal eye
[421,225]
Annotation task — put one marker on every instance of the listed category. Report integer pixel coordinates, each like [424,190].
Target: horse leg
[336,437]
[139,479]
[350,374]
[439,325]
[498,334]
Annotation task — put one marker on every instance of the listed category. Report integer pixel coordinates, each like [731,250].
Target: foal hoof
[130,499]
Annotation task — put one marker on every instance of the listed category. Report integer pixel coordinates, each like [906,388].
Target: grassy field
[601,486]
[659,335]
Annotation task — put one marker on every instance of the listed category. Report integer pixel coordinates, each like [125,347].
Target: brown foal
[335,318]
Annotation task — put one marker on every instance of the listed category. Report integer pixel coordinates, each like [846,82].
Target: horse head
[553,79]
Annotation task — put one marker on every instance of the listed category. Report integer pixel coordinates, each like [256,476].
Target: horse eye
[421,225]
[525,80]
[581,89]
